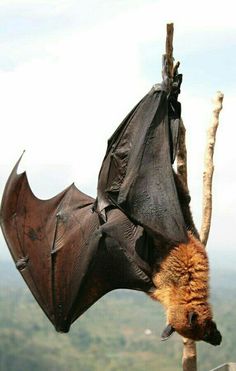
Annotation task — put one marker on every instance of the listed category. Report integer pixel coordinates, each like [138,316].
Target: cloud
[76,86]
[62,108]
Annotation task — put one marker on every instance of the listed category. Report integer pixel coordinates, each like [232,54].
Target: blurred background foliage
[121,331]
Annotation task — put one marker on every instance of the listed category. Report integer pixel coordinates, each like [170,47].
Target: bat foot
[62,328]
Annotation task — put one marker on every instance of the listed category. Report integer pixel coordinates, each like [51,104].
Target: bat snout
[214,339]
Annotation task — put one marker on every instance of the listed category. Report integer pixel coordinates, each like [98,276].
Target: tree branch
[169,49]
[209,168]
[189,358]
[182,155]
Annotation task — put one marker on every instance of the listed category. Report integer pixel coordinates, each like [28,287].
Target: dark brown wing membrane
[66,258]
[137,175]
[46,239]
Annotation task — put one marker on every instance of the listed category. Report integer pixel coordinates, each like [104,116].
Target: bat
[71,250]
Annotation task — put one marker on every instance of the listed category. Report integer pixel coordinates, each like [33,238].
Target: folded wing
[136,174]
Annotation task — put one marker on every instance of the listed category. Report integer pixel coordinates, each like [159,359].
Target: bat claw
[22,263]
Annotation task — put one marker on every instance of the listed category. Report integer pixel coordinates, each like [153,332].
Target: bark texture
[182,155]
[189,359]
[209,168]
[169,49]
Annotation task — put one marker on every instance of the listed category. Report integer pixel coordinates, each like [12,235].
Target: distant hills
[121,331]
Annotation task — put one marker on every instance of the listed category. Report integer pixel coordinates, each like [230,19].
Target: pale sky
[71,70]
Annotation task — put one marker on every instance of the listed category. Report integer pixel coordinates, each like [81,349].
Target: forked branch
[189,359]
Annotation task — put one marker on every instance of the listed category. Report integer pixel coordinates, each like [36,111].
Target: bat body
[72,249]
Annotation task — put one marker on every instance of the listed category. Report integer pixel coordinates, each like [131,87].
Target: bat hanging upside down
[138,234]
[180,277]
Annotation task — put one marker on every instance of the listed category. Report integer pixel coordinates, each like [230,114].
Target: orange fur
[181,281]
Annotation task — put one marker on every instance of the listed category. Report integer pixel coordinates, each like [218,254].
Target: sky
[70,71]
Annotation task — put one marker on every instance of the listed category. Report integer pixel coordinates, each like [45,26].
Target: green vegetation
[110,336]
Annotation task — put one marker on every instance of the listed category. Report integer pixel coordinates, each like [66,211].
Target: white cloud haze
[64,90]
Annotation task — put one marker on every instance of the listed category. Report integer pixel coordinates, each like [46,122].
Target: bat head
[195,324]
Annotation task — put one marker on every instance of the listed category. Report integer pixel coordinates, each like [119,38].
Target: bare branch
[189,359]
[182,155]
[209,168]
[169,49]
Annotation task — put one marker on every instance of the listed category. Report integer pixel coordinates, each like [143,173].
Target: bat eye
[205,336]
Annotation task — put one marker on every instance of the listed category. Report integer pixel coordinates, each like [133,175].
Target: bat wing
[117,263]
[137,175]
[65,257]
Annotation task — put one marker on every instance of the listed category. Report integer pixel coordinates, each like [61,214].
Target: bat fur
[182,287]
[181,278]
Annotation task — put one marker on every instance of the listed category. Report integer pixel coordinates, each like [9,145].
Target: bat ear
[192,317]
[167,332]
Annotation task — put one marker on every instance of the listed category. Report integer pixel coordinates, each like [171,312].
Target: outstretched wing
[137,175]
[48,241]
[67,259]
